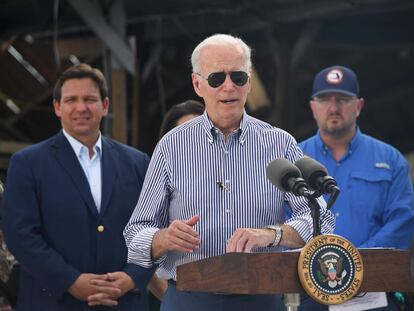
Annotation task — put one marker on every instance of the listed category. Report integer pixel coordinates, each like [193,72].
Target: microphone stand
[292,300]
[315,210]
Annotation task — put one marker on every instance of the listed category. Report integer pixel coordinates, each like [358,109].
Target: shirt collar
[351,146]
[210,129]
[77,146]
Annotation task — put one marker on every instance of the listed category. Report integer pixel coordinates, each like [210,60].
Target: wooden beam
[257,97]
[28,107]
[119,106]
[80,47]
[278,43]
[40,59]
[4,44]
[303,43]
[135,111]
[118,76]
[92,15]
[13,131]
[4,163]
[10,147]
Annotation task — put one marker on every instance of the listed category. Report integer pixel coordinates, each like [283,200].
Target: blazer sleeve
[24,233]
[140,275]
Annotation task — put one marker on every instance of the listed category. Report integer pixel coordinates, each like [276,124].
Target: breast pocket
[369,190]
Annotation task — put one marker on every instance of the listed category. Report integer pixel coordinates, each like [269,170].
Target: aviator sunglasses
[216,79]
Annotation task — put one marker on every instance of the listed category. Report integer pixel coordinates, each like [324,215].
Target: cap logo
[334,76]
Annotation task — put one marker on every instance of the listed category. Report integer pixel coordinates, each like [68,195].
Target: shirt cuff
[303,227]
[140,249]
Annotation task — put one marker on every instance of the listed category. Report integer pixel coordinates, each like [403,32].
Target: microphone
[222,185]
[286,177]
[316,175]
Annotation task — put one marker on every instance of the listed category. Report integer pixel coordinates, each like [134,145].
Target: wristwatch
[278,234]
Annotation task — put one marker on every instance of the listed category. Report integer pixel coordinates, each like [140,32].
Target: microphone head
[311,171]
[279,171]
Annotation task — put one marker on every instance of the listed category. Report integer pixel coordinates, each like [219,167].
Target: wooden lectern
[266,273]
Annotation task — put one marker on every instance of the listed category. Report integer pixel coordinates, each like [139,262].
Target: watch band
[278,234]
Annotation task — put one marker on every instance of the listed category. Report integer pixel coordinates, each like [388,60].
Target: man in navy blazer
[66,202]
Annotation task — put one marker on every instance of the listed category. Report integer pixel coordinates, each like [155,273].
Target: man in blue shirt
[375,207]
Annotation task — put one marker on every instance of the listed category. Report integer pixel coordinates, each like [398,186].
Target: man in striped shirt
[206,191]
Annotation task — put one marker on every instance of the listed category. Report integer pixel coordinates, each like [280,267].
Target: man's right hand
[179,236]
[82,288]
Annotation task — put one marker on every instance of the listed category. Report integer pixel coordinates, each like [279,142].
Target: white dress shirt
[91,166]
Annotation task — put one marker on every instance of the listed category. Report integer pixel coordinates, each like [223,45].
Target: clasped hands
[101,289]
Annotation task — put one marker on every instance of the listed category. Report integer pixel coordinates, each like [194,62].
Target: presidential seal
[330,269]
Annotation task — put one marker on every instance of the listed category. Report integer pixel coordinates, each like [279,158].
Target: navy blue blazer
[51,222]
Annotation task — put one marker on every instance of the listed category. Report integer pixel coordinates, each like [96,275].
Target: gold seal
[330,269]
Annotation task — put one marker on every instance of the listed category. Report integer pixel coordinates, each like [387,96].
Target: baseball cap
[336,79]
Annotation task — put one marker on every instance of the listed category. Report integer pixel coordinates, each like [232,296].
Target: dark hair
[177,111]
[81,71]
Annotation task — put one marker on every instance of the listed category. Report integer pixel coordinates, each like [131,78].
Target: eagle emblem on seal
[331,271]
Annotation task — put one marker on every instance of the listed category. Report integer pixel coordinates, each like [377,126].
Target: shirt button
[101,228]
[337,214]
[226,152]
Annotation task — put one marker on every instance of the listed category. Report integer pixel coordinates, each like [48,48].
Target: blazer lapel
[67,158]
[109,171]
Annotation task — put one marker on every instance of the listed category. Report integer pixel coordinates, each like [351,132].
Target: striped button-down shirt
[195,170]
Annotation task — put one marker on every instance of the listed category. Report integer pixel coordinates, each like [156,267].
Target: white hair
[221,40]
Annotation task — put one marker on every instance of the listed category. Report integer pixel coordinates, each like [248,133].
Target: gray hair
[221,40]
